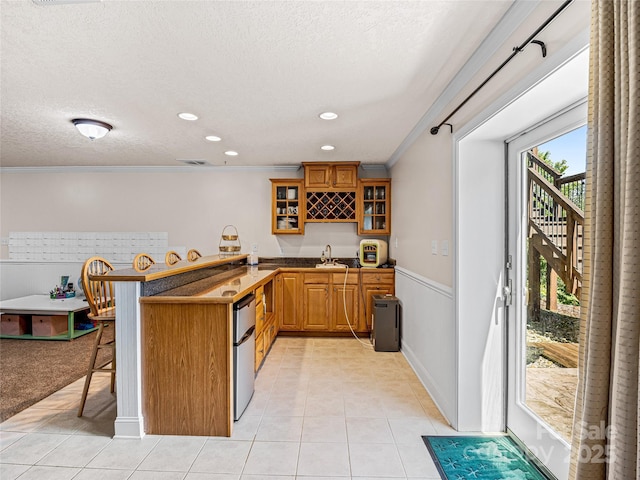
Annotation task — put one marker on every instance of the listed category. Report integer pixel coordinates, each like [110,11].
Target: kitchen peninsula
[174,332]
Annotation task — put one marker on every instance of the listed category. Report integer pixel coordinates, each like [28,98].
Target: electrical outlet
[254,247]
[4,241]
[434,247]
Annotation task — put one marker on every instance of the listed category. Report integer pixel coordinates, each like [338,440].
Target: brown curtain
[606,439]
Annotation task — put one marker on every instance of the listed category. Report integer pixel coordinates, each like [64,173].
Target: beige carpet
[31,370]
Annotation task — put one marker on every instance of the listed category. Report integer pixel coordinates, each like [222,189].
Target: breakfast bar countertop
[161,270]
[236,285]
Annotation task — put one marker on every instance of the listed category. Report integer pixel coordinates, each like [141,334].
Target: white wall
[422,210]
[480,260]
[427,183]
[193,206]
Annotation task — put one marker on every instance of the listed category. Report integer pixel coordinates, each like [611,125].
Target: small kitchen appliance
[373,253]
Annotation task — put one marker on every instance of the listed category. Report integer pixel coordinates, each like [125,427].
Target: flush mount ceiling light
[327,148]
[91,129]
[212,138]
[188,116]
[231,153]
[328,116]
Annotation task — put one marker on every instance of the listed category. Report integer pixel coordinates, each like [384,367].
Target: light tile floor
[323,407]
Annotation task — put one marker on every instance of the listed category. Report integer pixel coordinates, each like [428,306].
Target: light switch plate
[444,248]
[434,247]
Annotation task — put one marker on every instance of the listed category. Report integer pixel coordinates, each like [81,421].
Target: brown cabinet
[345,295]
[315,301]
[317,311]
[287,206]
[374,206]
[375,282]
[331,175]
[331,193]
[266,325]
[324,298]
[289,301]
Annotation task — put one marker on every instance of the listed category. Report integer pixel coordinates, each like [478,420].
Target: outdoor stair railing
[556,220]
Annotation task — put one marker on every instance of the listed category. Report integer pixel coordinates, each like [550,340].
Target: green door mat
[490,457]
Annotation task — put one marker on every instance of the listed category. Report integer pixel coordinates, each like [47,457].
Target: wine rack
[331,206]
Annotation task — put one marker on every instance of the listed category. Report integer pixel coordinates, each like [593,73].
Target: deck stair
[565,354]
[556,221]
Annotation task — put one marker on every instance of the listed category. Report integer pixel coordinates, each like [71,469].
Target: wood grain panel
[186,369]
[317,310]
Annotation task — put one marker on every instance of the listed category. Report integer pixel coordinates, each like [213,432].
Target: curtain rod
[516,50]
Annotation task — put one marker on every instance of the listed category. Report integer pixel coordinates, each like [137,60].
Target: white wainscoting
[428,336]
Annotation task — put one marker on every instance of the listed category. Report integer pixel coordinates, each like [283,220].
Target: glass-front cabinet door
[287,206]
[374,198]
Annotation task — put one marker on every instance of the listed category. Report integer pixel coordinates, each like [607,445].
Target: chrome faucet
[329,259]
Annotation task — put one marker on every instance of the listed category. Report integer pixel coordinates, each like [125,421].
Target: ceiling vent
[195,163]
[63,2]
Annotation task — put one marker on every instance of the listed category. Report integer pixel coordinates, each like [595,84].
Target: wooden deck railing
[555,222]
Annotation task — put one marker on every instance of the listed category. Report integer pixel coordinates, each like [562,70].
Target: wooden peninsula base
[186,368]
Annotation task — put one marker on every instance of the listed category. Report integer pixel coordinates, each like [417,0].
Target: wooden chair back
[142,262]
[193,255]
[100,293]
[171,258]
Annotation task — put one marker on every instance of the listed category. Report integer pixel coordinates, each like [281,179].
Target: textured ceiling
[256,73]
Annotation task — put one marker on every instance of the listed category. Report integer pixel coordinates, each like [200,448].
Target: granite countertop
[232,285]
[309,262]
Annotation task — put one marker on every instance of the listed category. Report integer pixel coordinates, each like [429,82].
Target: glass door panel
[546,256]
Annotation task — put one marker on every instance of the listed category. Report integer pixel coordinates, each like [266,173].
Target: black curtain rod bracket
[434,130]
[516,50]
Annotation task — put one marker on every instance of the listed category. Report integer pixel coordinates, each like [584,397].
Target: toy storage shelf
[41,305]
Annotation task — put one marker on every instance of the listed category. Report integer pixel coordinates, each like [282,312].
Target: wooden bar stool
[171,258]
[142,262]
[101,299]
[193,255]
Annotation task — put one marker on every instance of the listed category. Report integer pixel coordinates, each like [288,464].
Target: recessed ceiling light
[327,147]
[188,116]
[231,153]
[212,138]
[328,116]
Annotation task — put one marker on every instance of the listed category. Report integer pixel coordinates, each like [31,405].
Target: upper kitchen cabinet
[330,191]
[287,206]
[374,206]
[328,176]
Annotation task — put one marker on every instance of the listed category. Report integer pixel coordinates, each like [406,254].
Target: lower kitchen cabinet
[260,350]
[345,295]
[315,301]
[266,325]
[289,301]
[375,282]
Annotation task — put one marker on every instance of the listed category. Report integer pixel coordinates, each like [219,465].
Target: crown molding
[512,19]
[151,169]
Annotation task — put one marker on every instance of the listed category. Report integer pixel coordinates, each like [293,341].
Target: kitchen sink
[330,265]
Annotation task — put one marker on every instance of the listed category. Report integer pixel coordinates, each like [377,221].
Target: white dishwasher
[244,353]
